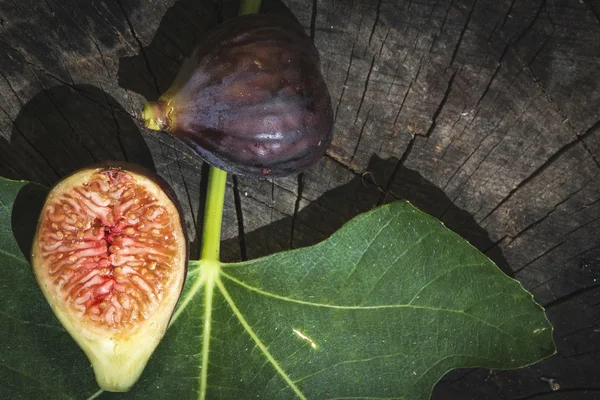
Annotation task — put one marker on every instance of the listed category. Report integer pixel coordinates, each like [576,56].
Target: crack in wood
[586,205]
[155,136]
[15,174]
[548,163]
[296,208]
[489,84]
[344,86]
[375,22]
[362,98]
[512,5]
[366,178]
[440,106]
[66,38]
[288,215]
[578,255]
[547,215]
[462,34]
[403,101]
[578,355]
[240,218]
[545,253]
[411,143]
[70,85]
[578,331]
[385,38]
[141,47]
[499,167]
[313,19]
[459,137]
[360,135]
[527,66]
[590,131]
[338,160]
[109,24]
[12,89]
[443,24]
[531,23]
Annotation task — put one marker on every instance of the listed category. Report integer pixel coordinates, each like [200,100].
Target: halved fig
[110,255]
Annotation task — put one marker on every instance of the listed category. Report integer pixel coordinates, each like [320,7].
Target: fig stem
[213,215]
[249,7]
[156,115]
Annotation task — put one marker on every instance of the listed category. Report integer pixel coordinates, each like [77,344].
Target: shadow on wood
[151,72]
[328,213]
[63,129]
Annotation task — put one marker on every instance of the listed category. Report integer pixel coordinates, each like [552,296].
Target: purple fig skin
[251,99]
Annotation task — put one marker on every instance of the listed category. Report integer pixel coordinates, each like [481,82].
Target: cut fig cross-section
[110,256]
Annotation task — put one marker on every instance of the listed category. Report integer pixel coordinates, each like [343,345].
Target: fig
[251,99]
[110,256]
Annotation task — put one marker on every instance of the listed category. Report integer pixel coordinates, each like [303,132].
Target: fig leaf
[39,359]
[382,309]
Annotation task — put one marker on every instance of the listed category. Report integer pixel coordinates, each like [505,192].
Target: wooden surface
[483,113]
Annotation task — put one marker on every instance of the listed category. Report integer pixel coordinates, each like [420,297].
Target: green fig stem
[156,115]
[249,7]
[213,215]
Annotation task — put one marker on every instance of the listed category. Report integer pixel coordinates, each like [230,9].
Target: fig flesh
[110,256]
[251,99]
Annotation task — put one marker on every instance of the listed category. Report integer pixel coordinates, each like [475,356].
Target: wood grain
[484,113]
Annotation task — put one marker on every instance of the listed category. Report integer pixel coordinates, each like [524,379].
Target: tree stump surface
[485,114]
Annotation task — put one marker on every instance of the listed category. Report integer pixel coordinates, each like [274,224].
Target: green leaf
[38,358]
[382,309]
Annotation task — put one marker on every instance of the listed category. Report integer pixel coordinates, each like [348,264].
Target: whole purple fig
[251,99]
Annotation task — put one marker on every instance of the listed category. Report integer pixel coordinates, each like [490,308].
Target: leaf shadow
[63,129]
[329,212]
[152,71]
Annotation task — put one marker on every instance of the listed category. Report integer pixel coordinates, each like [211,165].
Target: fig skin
[251,99]
[118,352]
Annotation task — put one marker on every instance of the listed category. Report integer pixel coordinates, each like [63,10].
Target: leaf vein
[20,259]
[347,362]
[44,384]
[385,306]
[446,272]
[362,256]
[188,297]
[31,323]
[257,340]
[208,299]
[393,264]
